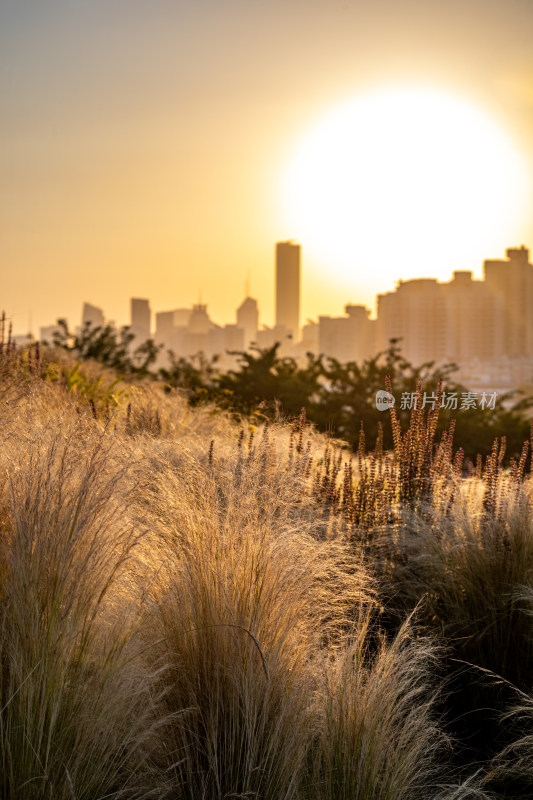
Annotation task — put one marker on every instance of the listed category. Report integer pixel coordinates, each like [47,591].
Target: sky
[147,149]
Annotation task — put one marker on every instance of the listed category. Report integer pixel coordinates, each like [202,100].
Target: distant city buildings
[189,331]
[463,318]
[280,334]
[485,326]
[482,325]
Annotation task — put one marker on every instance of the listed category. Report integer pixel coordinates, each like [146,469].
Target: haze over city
[483,327]
[159,150]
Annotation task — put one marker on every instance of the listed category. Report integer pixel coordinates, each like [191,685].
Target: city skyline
[482,325]
[139,309]
[163,147]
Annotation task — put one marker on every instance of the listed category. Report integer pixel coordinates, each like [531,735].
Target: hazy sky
[145,144]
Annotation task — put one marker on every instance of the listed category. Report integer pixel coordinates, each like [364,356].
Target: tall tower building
[288,255]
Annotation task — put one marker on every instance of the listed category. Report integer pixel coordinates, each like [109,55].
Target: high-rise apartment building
[511,281]
[288,256]
[455,320]
[474,319]
[415,313]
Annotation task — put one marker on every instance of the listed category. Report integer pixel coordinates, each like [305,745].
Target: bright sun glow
[406,182]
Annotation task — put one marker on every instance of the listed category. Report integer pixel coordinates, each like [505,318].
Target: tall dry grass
[184,617]
[76,708]
[468,567]
[250,591]
[378,734]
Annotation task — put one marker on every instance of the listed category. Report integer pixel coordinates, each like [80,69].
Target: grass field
[197,608]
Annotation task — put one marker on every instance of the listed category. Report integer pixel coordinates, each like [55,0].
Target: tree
[108,346]
[270,382]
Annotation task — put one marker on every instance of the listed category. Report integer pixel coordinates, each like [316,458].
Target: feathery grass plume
[419,471]
[377,732]
[415,449]
[301,430]
[225,653]
[517,469]
[76,711]
[468,566]
[471,788]
[492,474]
[466,569]
[245,568]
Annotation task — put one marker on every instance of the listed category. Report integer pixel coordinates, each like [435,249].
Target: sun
[404,182]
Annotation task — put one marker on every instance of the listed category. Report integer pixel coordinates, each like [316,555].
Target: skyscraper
[288,287]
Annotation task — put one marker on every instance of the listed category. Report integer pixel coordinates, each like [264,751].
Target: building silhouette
[190,331]
[92,315]
[196,334]
[437,321]
[414,313]
[47,333]
[474,319]
[248,320]
[222,341]
[164,326]
[141,317]
[510,281]
[170,328]
[485,326]
[267,337]
[349,338]
[288,256]
[309,340]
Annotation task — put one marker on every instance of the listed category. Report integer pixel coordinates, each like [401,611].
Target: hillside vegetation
[195,606]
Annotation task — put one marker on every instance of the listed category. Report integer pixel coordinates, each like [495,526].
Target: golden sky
[145,144]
